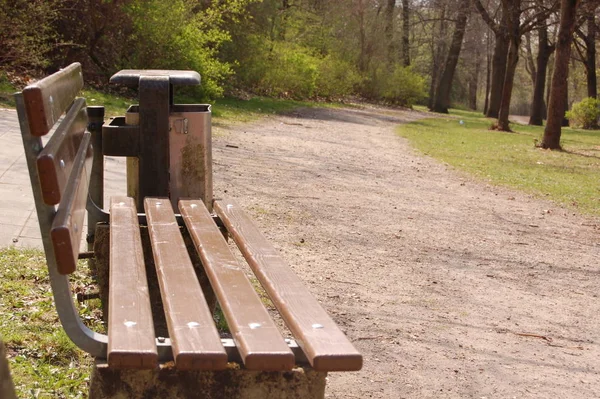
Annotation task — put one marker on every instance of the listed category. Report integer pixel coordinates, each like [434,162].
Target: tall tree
[442,94]
[586,47]
[389,30]
[558,90]
[517,26]
[405,33]
[499,57]
[438,48]
[545,49]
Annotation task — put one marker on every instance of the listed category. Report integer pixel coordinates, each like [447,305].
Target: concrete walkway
[18,221]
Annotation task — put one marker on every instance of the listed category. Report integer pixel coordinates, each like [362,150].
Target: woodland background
[438,53]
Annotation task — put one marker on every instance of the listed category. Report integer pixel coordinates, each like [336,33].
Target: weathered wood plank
[68,223]
[324,344]
[47,99]
[131,340]
[195,339]
[259,342]
[55,162]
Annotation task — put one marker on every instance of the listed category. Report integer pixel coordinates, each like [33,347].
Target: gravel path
[448,286]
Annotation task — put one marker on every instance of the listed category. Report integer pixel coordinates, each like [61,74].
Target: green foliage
[585,113]
[27,33]
[400,86]
[290,70]
[568,177]
[336,78]
[181,35]
[287,70]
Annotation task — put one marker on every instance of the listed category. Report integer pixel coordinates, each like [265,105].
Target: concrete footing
[232,383]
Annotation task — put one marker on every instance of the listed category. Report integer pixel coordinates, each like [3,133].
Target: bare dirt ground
[451,288]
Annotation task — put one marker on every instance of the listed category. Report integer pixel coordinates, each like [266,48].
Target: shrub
[336,78]
[290,71]
[399,86]
[585,113]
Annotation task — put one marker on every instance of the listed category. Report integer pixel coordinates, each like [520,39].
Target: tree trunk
[488,73]
[473,84]
[362,39]
[405,33]
[531,65]
[513,9]
[538,105]
[442,94]
[389,31]
[498,72]
[438,52]
[590,62]
[556,106]
[509,78]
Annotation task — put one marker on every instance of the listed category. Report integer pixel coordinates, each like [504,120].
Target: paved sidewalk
[18,220]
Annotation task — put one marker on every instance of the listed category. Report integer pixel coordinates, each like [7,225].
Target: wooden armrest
[324,344]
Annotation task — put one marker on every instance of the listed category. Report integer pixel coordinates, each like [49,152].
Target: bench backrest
[64,164]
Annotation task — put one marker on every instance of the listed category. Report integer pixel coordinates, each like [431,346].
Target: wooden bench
[64,175]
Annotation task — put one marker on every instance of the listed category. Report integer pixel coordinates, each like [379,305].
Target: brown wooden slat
[131,341]
[195,339]
[324,344]
[47,99]
[68,223]
[55,162]
[259,342]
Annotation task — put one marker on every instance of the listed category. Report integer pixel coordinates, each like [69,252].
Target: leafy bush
[182,35]
[336,78]
[585,113]
[289,71]
[399,86]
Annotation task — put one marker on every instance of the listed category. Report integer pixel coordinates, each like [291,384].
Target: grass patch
[6,92]
[223,110]
[43,360]
[114,105]
[236,110]
[569,177]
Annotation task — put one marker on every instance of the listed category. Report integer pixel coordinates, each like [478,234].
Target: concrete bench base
[232,383]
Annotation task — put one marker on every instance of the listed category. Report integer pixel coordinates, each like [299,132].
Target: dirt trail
[449,287]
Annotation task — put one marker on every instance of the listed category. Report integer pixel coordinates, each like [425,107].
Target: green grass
[569,177]
[114,105]
[43,360]
[6,92]
[224,110]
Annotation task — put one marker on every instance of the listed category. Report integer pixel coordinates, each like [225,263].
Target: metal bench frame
[342,357]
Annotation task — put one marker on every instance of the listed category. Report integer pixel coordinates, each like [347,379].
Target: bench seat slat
[67,225]
[131,339]
[47,99]
[195,339]
[324,344]
[55,162]
[259,341]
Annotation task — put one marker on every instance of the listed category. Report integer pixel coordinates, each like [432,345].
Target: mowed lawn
[464,140]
